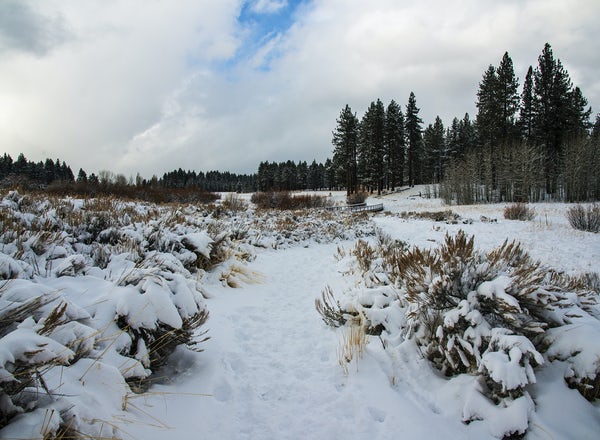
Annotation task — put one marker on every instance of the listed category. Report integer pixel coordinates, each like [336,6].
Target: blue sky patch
[262,22]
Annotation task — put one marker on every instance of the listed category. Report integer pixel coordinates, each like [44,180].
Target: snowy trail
[272,372]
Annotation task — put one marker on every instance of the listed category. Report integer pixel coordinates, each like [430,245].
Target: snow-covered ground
[271,369]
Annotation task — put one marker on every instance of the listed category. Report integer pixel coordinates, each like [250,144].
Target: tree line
[44,174]
[532,144]
[289,175]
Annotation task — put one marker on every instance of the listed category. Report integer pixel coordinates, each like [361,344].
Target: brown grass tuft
[519,211]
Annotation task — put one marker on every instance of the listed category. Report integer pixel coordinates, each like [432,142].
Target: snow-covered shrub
[575,341]
[519,211]
[104,290]
[585,219]
[497,315]
[25,354]
[458,299]
[437,216]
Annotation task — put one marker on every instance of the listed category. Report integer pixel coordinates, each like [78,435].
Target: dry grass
[233,202]
[285,201]
[352,344]
[329,309]
[364,254]
[519,211]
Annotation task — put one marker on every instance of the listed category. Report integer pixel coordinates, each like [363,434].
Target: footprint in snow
[377,414]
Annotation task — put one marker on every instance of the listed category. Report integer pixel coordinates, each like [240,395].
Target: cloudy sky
[150,86]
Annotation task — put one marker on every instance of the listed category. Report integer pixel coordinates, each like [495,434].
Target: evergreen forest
[531,143]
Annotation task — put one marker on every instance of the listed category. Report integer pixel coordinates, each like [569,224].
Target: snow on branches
[496,315]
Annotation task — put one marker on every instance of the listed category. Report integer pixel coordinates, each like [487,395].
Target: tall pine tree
[394,144]
[413,137]
[551,92]
[371,151]
[345,143]
[526,114]
[507,96]
[435,155]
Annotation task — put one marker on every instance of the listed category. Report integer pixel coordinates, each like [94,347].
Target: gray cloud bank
[153,86]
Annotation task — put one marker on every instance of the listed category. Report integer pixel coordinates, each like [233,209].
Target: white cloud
[152,86]
[267,6]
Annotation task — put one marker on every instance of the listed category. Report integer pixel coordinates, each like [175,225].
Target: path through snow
[272,372]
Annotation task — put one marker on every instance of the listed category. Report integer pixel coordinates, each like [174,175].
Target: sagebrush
[585,218]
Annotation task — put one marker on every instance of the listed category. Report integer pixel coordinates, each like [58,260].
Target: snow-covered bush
[98,291]
[457,296]
[446,216]
[497,315]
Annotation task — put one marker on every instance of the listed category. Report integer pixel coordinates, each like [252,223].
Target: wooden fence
[358,208]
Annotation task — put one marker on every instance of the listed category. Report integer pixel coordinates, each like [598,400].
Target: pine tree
[595,136]
[578,122]
[507,97]
[394,144]
[488,108]
[552,87]
[497,104]
[467,138]
[329,175]
[49,171]
[301,175]
[371,147]
[6,165]
[82,176]
[413,136]
[526,113]
[315,176]
[435,155]
[345,142]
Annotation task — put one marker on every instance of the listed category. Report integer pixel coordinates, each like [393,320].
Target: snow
[271,368]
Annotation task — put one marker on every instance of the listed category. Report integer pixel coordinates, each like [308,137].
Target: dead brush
[285,224]
[41,241]
[329,309]
[233,202]
[364,254]
[357,198]
[352,343]
[519,211]
[585,219]
[174,218]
